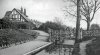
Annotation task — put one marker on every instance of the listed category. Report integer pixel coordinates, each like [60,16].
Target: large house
[19,17]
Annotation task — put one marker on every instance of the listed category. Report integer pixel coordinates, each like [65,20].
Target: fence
[91,33]
[59,37]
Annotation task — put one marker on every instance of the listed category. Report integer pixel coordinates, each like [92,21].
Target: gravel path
[83,47]
[26,47]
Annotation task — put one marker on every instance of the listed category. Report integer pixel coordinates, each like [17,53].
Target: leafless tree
[58,21]
[88,9]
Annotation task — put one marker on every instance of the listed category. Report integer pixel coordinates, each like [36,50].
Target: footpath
[28,47]
[83,47]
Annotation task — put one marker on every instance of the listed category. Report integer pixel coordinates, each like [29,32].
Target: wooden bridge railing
[37,50]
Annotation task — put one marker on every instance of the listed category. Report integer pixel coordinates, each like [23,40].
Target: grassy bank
[12,36]
[94,47]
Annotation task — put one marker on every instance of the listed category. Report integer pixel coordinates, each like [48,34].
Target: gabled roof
[8,13]
[22,14]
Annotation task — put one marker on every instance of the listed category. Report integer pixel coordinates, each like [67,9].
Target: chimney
[24,11]
[21,10]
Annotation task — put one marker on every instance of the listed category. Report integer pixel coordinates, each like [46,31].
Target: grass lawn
[12,36]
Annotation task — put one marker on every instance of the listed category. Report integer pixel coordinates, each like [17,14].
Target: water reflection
[62,52]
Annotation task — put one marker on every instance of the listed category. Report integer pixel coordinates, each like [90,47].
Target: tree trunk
[88,23]
[78,22]
[88,26]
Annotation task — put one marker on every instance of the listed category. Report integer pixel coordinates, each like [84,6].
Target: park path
[27,47]
[83,47]
[42,35]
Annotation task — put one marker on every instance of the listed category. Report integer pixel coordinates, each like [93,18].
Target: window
[12,16]
[14,12]
[18,16]
[15,16]
[22,19]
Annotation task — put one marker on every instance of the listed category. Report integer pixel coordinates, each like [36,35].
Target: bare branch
[88,10]
[71,13]
[97,4]
[74,1]
[85,7]
[84,20]
[83,13]
[91,8]
[94,11]
[97,9]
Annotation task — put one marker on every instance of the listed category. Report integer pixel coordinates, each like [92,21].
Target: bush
[8,36]
[94,47]
[50,25]
[86,38]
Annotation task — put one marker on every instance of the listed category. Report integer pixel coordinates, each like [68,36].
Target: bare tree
[78,21]
[88,9]
[58,21]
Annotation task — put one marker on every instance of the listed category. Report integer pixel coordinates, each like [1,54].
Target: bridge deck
[24,49]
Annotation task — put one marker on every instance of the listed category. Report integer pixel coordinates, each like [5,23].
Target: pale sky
[42,10]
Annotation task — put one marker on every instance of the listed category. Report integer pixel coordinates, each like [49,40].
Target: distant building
[19,17]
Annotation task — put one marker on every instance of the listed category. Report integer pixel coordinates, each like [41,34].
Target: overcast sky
[42,10]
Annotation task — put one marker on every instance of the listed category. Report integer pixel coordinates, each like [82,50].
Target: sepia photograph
[49,27]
